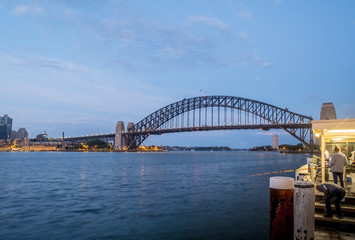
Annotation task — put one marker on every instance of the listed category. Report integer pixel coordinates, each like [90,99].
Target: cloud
[56,64]
[241,64]
[253,59]
[242,35]
[245,14]
[22,9]
[214,22]
[121,30]
[127,38]
[262,62]
[69,12]
[134,42]
[40,62]
[267,64]
[54,84]
[171,52]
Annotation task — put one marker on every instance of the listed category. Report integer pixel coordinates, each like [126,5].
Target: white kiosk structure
[340,131]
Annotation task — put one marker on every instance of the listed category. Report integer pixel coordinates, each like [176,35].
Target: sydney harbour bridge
[207,113]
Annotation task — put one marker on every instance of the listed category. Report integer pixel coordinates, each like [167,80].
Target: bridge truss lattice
[220,113]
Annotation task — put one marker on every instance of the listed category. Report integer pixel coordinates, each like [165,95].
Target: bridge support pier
[120,139]
[130,138]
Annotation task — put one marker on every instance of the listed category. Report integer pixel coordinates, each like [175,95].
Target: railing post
[322,150]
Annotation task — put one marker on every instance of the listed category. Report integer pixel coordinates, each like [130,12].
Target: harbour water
[173,195]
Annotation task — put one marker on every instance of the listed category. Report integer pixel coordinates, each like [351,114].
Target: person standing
[326,156]
[337,164]
[333,194]
[352,158]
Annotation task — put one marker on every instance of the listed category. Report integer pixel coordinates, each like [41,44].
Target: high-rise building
[3,132]
[275,141]
[5,127]
[22,133]
[13,135]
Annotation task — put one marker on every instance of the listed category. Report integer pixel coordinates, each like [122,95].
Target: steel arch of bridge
[257,115]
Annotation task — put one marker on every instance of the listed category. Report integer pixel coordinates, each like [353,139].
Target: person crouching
[333,194]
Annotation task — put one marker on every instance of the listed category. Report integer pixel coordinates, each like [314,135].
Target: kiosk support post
[322,149]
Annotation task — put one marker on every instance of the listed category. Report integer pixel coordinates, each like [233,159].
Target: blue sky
[80,66]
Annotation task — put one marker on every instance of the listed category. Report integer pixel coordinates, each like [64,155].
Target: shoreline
[163,150]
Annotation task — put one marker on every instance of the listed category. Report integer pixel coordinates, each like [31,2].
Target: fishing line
[285,171]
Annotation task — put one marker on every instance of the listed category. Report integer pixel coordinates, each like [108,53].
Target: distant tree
[314,147]
[262,148]
[97,143]
[292,147]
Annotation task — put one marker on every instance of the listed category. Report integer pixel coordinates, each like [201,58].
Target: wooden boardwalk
[345,220]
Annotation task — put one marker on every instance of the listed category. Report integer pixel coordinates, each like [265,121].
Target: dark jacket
[328,188]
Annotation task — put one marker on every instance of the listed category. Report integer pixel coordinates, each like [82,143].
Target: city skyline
[79,67]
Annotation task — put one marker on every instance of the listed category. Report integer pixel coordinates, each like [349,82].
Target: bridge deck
[265,127]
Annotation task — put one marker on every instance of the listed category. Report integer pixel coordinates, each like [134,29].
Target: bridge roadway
[265,127]
[105,137]
[111,136]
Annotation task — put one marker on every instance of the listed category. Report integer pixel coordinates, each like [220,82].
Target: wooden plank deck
[323,233]
[344,208]
[346,220]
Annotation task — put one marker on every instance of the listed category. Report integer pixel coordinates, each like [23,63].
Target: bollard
[281,207]
[304,210]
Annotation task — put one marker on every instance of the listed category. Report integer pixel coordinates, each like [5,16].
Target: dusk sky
[80,66]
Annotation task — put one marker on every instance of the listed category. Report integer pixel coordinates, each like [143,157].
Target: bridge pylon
[120,138]
[129,138]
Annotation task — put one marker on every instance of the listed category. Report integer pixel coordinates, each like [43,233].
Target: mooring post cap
[304,184]
[282,183]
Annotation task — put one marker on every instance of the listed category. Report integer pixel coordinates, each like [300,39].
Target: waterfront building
[42,137]
[3,142]
[5,127]
[24,142]
[275,141]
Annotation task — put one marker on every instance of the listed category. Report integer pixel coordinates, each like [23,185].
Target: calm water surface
[174,195]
